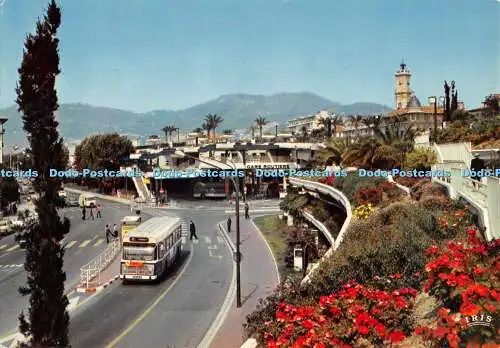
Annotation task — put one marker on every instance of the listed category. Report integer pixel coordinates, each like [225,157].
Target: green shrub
[435,203]
[351,183]
[426,188]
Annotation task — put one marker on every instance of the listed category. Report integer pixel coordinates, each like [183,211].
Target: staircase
[141,188]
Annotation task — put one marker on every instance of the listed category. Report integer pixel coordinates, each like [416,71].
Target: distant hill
[237,110]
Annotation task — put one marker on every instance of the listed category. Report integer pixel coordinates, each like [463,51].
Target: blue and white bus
[151,248]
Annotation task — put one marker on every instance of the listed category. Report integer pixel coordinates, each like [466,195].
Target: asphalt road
[177,312]
[85,240]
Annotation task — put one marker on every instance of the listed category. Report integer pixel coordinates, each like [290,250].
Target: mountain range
[237,110]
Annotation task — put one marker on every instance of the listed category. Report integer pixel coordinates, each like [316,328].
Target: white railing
[483,195]
[93,269]
[459,152]
[399,186]
[139,183]
[342,199]
[309,217]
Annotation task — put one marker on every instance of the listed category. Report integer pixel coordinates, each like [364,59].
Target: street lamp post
[238,254]
[442,99]
[433,100]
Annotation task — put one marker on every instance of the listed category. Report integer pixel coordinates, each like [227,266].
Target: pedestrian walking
[83,213]
[192,231]
[107,231]
[99,207]
[476,165]
[247,208]
[92,212]
[115,231]
[229,224]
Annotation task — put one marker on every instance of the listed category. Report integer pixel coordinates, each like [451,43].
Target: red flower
[364,330]
[319,345]
[362,318]
[396,336]
[479,270]
[335,311]
[469,309]
[432,250]
[440,331]
[495,295]
[280,316]
[380,329]
[308,324]
[471,232]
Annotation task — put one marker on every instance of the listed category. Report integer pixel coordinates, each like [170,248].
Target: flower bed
[463,276]
[354,316]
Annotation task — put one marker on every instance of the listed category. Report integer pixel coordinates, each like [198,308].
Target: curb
[261,234]
[98,288]
[225,308]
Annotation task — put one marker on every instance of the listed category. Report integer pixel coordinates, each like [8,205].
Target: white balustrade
[93,269]
[483,194]
[338,196]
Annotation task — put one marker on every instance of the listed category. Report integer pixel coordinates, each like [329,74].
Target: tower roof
[414,102]
[403,69]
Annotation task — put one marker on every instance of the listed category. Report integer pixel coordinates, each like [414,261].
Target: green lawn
[272,229]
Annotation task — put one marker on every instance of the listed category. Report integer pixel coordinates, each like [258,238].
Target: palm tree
[168,130]
[356,121]
[252,129]
[303,133]
[399,136]
[205,128]
[363,153]
[261,122]
[330,125]
[198,130]
[334,151]
[227,131]
[213,121]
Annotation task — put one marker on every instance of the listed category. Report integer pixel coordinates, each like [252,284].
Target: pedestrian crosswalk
[97,242]
[10,268]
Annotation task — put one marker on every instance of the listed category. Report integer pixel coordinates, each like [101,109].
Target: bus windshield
[138,253]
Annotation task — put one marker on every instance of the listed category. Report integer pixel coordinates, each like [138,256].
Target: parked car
[140,200]
[17,222]
[5,226]
[62,193]
[71,202]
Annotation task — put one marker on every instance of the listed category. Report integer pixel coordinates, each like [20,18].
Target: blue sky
[143,55]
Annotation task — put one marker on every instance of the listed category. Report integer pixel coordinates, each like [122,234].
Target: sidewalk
[259,278]
[108,275]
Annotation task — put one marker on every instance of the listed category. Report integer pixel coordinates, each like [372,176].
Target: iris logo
[482,319]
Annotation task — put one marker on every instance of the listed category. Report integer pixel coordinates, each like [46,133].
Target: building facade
[309,123]
[410,109]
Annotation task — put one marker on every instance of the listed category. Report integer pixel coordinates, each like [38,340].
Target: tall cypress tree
[446,110]
[48,321]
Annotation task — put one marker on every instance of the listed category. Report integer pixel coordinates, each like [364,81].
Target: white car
[5,226]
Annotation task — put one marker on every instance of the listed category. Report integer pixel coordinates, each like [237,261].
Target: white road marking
[212,247]
[73,302]
[84,244]
[212,253]
[3,246]
[195,241]
[13,248]
[220,239]
[207,240]
[99,242]
[70,244]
